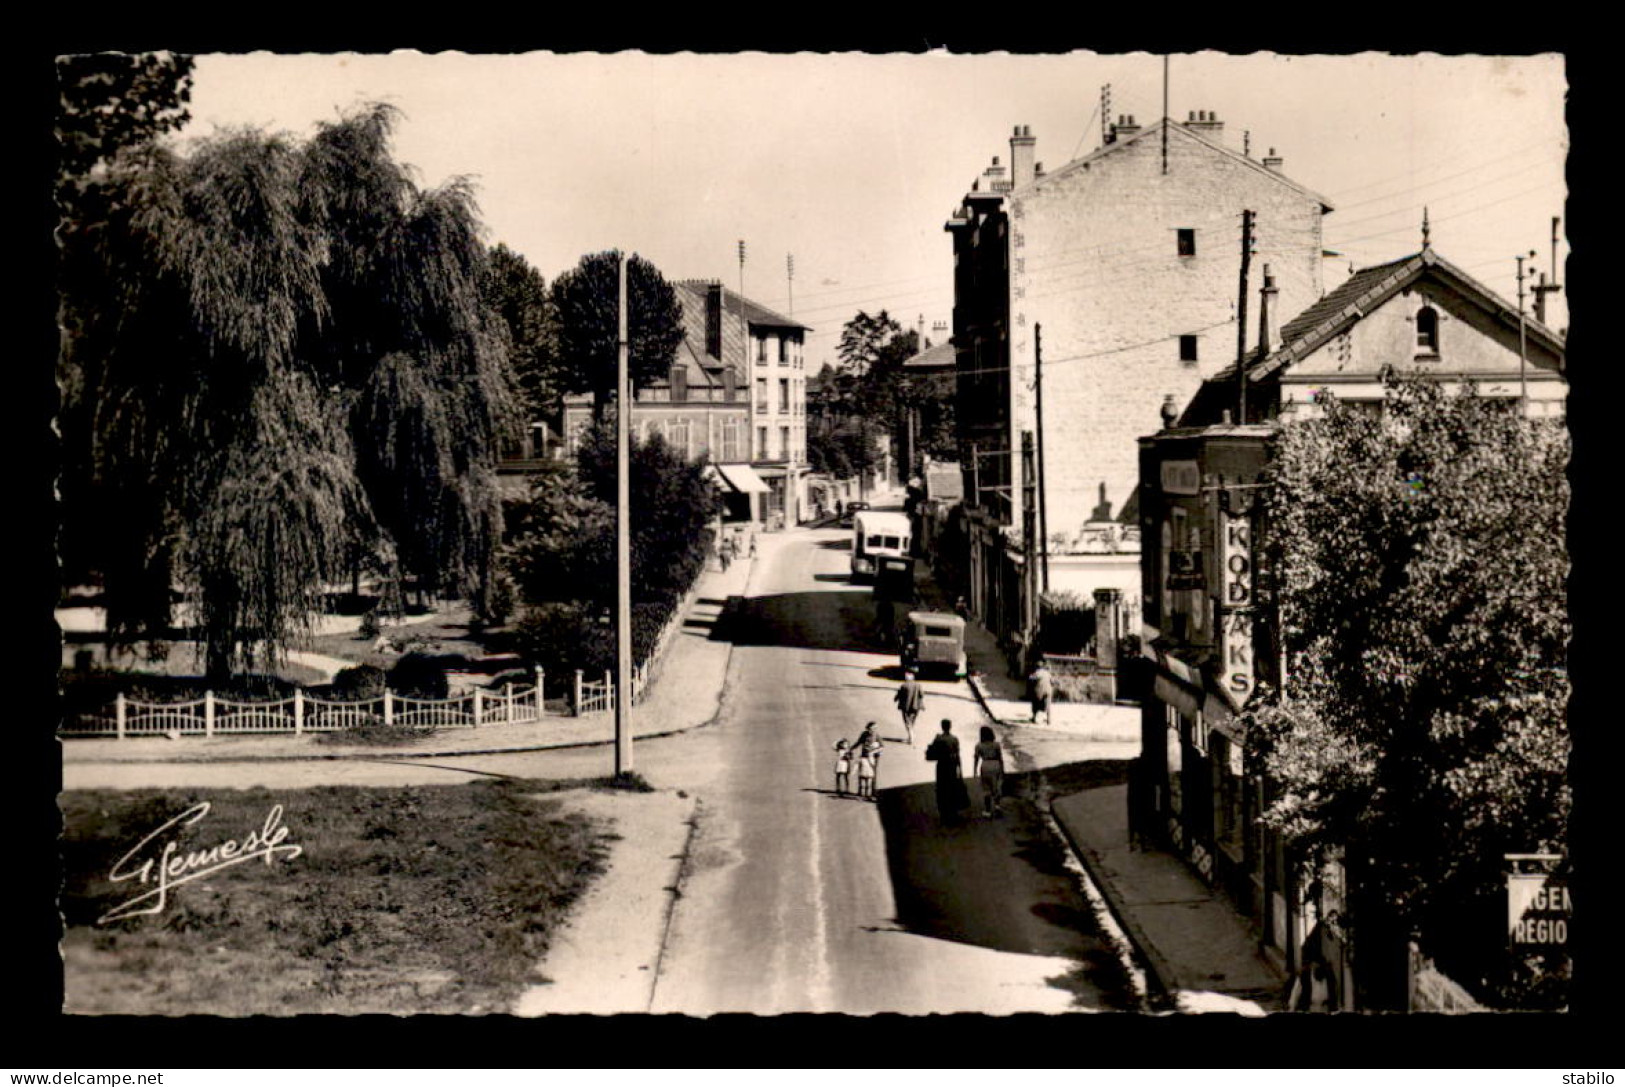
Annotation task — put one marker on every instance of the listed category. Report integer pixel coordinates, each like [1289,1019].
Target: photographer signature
[157,859]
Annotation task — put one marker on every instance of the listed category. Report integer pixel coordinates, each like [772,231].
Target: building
[1416,315]
[736,393]
[1207,648]
[1116,275]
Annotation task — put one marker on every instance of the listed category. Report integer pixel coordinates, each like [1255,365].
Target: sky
[851,163]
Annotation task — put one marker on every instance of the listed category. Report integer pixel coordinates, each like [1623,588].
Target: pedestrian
[868,746]
[725,553]
[1043,691]
[753,545]
[988,764]
[1314,987]
[951,793]
[961,607]
[840,507]
[843,767]
[910,700]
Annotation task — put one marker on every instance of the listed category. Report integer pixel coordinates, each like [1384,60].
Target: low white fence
[213,716]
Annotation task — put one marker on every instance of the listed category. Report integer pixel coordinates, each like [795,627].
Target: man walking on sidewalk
[910,700]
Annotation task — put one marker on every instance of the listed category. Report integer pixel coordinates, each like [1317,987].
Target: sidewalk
[687,692]
[1199,953]
[1197,949]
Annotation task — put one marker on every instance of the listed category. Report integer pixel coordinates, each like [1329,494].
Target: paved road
[797,900]
[802,901]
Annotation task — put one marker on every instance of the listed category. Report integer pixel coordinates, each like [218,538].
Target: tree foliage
[1418,566]
[276,353]
[587,299]
[517,293]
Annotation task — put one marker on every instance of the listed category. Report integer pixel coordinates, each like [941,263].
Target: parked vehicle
[849,515]
[875,536]
[934,642]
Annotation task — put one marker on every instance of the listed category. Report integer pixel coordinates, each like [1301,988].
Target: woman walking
[951,793]
[988,764]
[868,748]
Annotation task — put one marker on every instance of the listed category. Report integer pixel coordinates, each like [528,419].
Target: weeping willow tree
[276,360]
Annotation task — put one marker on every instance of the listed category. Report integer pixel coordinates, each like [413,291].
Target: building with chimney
[1085,298]
[1205,641]
[727,397]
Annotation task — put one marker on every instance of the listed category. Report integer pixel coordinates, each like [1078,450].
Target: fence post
[575,703]
[298,711]
[208,713]
[389,706]
[477,701]
[610,693]
[119,714]
[541,693]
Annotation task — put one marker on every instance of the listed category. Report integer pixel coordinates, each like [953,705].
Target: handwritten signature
[157,859]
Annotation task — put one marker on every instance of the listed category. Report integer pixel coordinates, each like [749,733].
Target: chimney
[713,320]
[1269,315]
[1124,128]
[1206,123]
[994,175]
[1022,144]
[1272,161]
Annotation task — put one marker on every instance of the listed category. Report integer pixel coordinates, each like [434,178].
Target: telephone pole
[1523,341]
[623,546]
[1241,313]
[1043,495]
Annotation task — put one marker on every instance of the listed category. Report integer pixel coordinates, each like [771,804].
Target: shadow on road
[810,620]
[998,883]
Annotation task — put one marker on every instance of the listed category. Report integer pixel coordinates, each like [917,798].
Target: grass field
[434,899]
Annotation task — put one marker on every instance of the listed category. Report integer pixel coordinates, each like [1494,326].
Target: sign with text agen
[1538,909]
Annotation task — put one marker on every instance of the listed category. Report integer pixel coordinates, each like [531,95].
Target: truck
[878,535]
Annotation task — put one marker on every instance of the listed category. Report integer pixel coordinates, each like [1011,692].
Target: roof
[1117,145]
[1362,293]
[937,356]
[755,312]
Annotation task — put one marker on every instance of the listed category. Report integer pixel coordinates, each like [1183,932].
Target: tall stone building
[1124,267]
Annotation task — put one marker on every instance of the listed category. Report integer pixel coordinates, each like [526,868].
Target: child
[868,761]
[843,766]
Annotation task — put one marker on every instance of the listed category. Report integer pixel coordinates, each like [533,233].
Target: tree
[113,101]
[587,298]
[518,294]
[1418,562]
[277,353]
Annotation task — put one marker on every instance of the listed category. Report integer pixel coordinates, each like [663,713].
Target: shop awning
[742,478]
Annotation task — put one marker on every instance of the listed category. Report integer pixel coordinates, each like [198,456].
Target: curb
[1162,980]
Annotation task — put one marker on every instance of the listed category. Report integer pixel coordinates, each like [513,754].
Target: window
[784,443]
[761,394]
[730,440]
[784,351]
[1187,349]
[1427,331]
[1187,242]
[761,349]
[761,443]
[677,437]
[784,396]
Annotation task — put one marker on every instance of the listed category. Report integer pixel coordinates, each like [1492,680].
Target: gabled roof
[936,357]
[1106,150]
[1368,289]
[755,312]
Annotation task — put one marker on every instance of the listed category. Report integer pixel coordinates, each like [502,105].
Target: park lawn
[428,899]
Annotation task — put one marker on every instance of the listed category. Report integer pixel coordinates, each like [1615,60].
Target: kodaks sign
[1235,602]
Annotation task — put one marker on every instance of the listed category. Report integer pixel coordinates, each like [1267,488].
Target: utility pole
[1105,113]
[1241,313]
[1543,288]
[1043,492]
[1029,533]
[790,278]
[1523,342]
[623,546]
[1165,113]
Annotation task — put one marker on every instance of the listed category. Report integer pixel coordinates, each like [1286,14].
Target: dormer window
[1427,331]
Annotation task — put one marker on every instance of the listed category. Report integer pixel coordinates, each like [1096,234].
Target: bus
[876,535]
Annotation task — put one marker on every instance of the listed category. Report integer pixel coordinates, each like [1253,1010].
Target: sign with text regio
[1236,603]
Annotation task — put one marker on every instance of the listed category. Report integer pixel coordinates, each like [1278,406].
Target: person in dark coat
[952,796]
[910,700]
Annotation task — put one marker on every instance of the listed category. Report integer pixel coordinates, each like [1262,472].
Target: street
[799,900]
[795,899]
